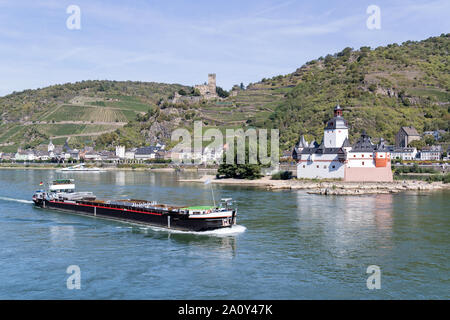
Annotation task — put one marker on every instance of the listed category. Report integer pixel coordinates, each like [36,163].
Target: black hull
[165,220]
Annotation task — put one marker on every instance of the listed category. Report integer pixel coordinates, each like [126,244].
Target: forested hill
[379,89]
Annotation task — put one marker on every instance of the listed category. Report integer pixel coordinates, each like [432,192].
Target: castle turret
[382,155]
[338,111]
[336,130]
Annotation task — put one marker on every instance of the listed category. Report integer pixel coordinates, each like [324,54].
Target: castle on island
[336,158]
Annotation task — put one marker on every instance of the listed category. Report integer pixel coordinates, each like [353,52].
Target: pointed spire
[302,143]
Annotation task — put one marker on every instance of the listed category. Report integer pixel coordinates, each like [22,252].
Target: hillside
[379,89]
[80,111]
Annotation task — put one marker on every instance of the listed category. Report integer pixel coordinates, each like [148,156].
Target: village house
[143,153]
[6,156]
[433,153]
[109,156]
[146,153]
[437,134]
[92,156]
[27,155]
[42,155]
[56,153]
[404,153]
[211,155]
[171,155]
[130,154]
[188,156]
[405,136]
[160,154]
[84,151]
[74,154]
[286,155]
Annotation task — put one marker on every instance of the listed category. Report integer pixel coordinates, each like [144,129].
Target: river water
[287,245]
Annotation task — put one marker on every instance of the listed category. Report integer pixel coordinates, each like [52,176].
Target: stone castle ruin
[208,91]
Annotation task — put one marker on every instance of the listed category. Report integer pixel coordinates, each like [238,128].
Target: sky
[175,41]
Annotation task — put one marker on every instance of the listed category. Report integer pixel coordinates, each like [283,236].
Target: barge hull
[164,220]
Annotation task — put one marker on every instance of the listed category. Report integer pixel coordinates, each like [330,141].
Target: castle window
[324,167]
[363,163]
[317,166]
[303,166]
[362,156]
[333,167]
[354,156]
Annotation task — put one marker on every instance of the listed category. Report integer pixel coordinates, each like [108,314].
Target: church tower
[336,131]
[51,146]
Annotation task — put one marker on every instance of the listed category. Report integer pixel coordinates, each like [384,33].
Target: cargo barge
[62,196]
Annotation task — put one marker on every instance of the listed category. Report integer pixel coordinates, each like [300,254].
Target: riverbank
[329,187]
[154,168]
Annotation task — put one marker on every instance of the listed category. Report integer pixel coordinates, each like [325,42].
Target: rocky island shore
[329,187]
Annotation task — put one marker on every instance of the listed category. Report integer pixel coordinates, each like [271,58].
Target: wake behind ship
[61,196]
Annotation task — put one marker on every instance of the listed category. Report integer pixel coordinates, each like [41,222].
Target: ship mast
[208,181]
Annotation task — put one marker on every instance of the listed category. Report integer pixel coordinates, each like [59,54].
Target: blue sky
[176,41]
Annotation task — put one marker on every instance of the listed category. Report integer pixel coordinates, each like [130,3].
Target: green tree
[239,171]
[222,93]
[418,144]
[429,140]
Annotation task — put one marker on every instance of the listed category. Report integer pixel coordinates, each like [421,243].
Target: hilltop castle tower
[212,82]
[208,91]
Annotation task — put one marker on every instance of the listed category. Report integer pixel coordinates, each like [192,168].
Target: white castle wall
[320,166]
[360,160]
